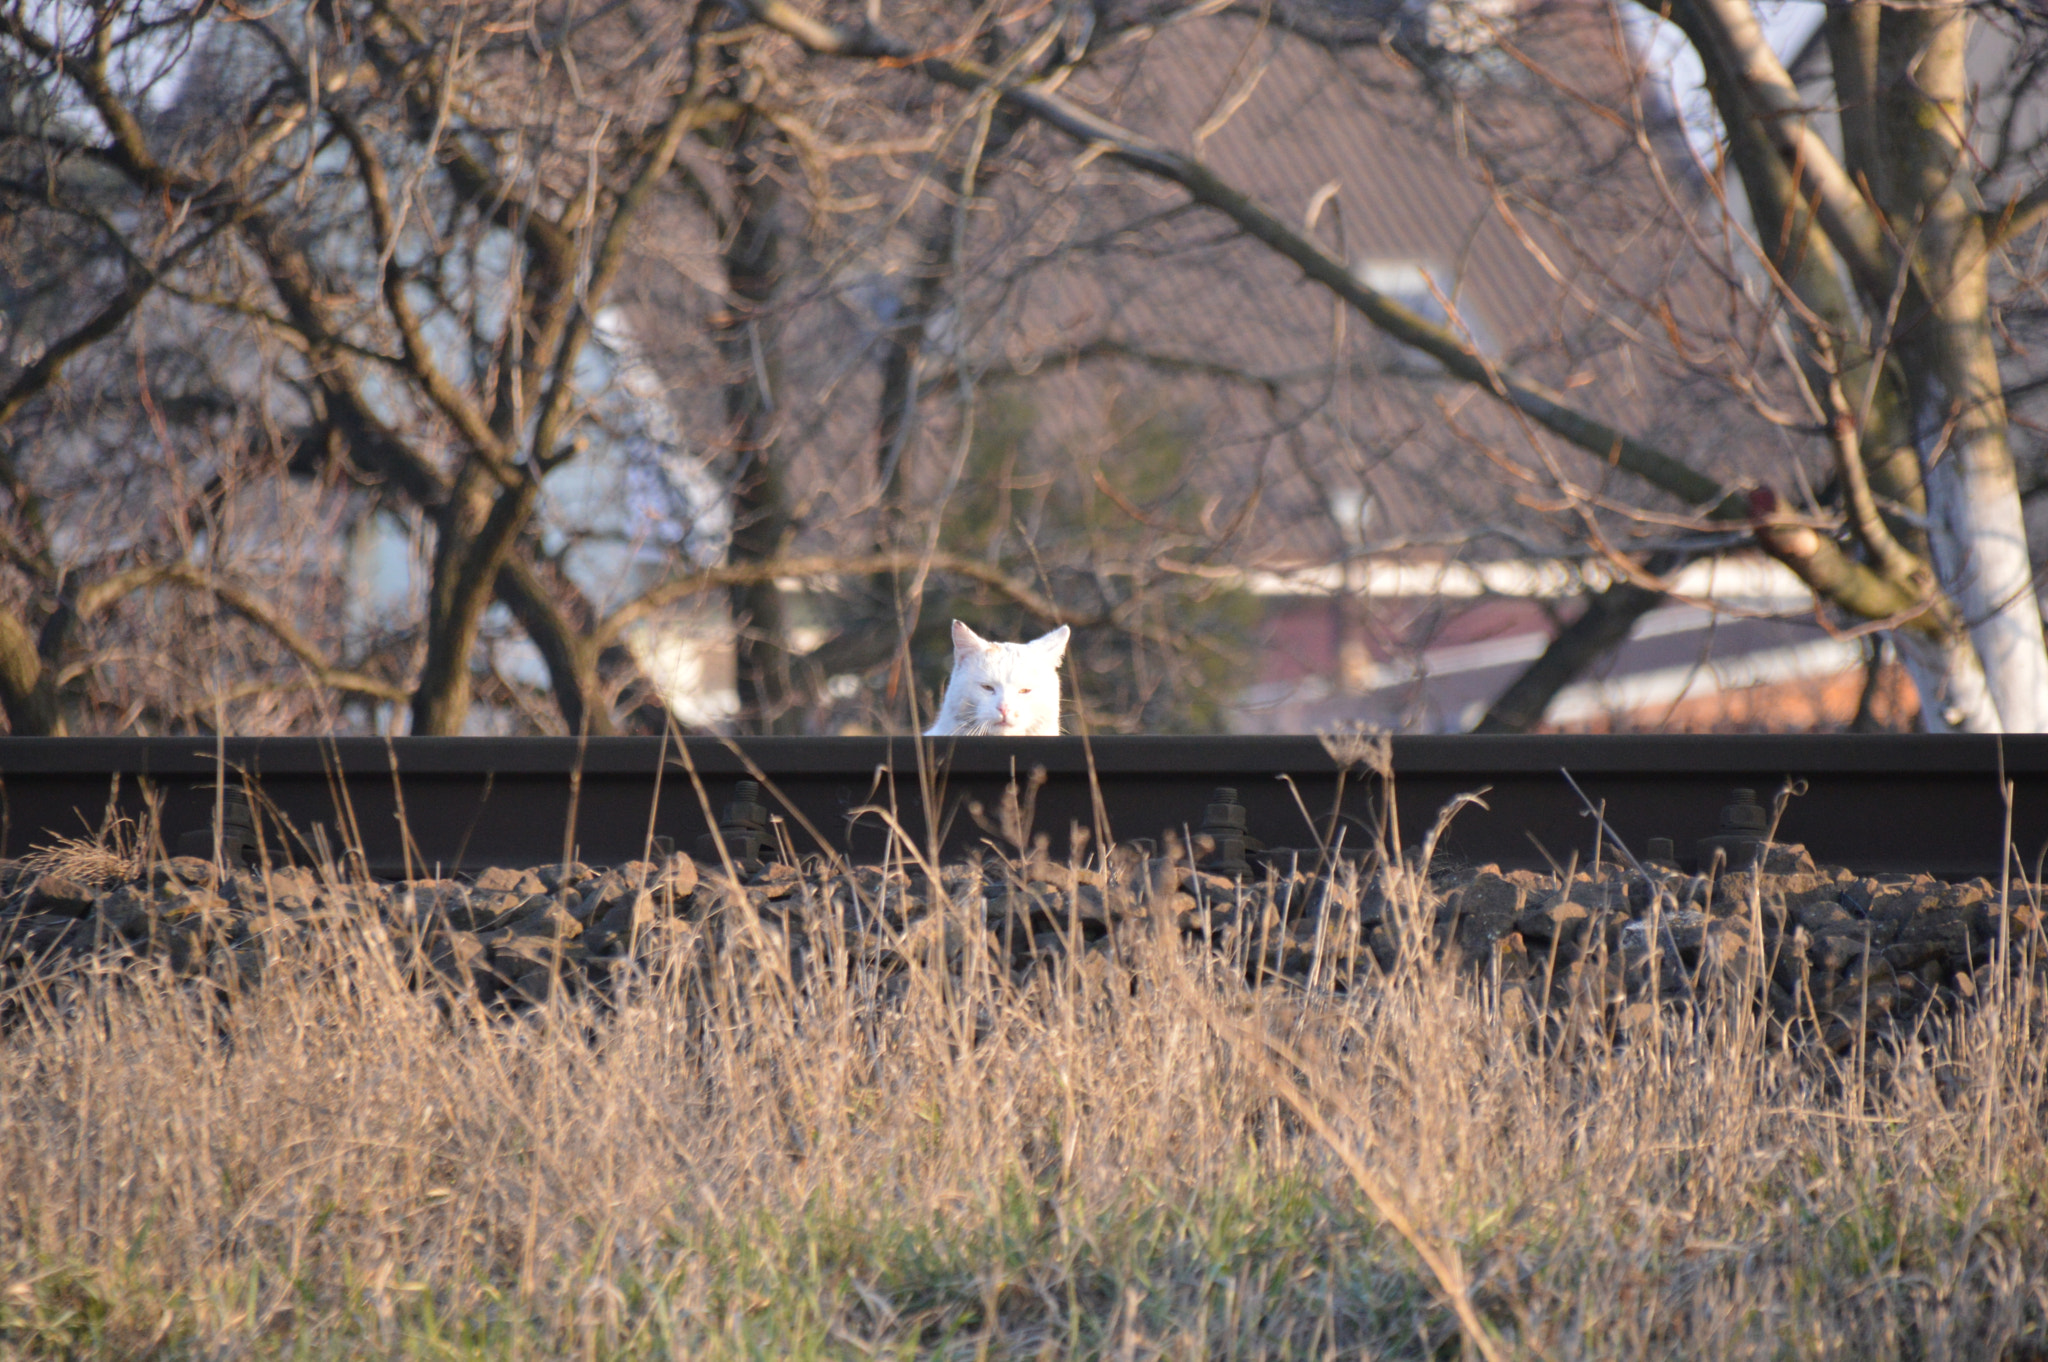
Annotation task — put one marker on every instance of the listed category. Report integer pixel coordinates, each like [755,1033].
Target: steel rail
[1880,804]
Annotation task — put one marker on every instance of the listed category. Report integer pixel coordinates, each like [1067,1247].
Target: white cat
[1009,690]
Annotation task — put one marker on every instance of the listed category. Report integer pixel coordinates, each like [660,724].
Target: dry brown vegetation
[1133,1153]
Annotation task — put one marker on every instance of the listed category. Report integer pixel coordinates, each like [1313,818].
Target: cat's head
[1008,689]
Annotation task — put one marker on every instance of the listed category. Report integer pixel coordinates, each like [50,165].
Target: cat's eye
[1023,690]
[989,688]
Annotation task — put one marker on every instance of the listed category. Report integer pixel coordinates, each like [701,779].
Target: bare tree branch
[1818,561]
[101,595]
[651,602]
[1729,30]
[98,327]
[1100,134]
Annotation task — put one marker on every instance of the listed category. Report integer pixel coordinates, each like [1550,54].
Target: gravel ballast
[1836,955]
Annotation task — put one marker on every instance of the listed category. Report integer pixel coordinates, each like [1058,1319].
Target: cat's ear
[1054,643]
[965,640]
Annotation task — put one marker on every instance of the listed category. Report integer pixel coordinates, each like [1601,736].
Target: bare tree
[974,311]
[369,173]
[1881,256]
[393,232]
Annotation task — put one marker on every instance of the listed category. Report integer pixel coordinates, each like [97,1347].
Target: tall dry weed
[1135,1154]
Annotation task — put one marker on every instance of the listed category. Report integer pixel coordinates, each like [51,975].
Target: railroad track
[1882,804]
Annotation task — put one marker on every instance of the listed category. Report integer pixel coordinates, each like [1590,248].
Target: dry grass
[1128,1159]
[118,853]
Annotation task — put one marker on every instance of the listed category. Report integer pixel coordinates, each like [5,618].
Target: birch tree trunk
[1896,222]
[1977,536]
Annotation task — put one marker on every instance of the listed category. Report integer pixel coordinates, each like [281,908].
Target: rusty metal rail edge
[1882,804]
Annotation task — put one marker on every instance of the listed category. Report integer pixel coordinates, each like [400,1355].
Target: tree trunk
[538,604]
[1608,619]
[27,688]
[1949,682]
[1977,534]
[761,519]
[1902,142]
[466,567]
[441,696]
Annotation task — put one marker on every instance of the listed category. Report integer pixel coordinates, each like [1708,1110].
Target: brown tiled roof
[1412,173]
